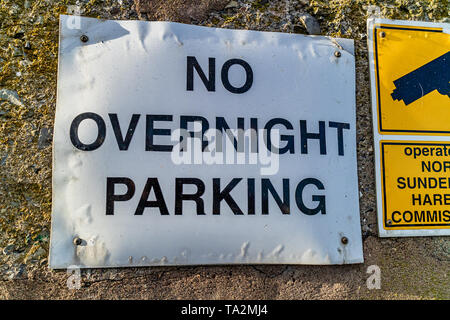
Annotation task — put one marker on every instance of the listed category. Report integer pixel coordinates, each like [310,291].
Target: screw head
[77,241]
[344,240]
[84,38]
[382,34]
[337,54]
[389,222]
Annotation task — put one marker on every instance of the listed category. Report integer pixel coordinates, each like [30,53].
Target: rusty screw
[84,38]
[77,241]
[337,54]
[344,240]
[382,34]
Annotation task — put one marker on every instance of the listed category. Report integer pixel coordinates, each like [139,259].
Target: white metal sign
[180,145]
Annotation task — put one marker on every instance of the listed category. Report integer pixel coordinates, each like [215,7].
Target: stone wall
[411,268]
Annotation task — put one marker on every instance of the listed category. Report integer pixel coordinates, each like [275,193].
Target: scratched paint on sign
[410,74]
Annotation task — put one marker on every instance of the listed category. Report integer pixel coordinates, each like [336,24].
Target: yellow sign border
[383,185]
[376,28]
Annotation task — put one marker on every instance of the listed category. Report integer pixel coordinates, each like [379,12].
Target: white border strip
[377,137]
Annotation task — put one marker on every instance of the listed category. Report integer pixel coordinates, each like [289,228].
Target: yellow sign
[412,74]
[415,180]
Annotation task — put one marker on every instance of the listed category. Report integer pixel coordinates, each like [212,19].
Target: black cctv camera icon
[435,75]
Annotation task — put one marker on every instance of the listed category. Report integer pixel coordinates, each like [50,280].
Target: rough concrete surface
[411,268]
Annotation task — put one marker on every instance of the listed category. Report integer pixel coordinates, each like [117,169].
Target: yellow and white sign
[410,74]
[411,65]
[415,185]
